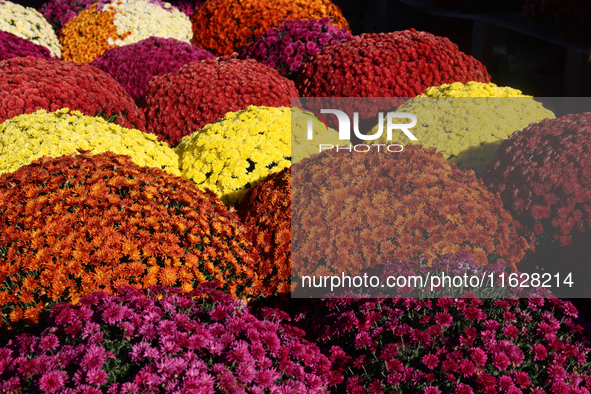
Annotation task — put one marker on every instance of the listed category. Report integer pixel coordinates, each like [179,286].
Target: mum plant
[162,341]
[289,45]
[30,84]
[182,102]
[234,153]
[468,122]
[224,26]
[76,224]
[385,65]
[135,64]
[27,138]
[266,208]
[451,345]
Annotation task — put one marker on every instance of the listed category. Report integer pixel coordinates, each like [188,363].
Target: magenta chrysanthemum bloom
[53,381]
[430,360]
[287,46]
[134,65]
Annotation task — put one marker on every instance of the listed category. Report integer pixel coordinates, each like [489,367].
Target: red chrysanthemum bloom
[29,84]
[182,102]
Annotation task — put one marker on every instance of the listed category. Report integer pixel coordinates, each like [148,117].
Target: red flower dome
[543,174]
[30,84]
[399,64]
[182,102]
[266,208]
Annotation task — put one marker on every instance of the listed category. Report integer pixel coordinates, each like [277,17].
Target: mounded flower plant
[135,64]
[234,153]
[160,340]
[15,46]
[353,211]
[225,26]
[182,102]
[27,138]
[76,224]
[30,84]
[468,122]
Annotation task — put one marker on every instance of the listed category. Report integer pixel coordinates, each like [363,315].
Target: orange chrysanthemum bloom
[353,211]
[84,38]
[76,224]
[266,208]
[225,26]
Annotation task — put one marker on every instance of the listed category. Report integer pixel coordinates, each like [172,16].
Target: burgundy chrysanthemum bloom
[29,84]
[14,46]
[543,174]
[182,102]
[462,353]
[134,65]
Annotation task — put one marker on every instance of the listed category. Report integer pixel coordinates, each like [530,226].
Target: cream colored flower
[145,19]
[28,23]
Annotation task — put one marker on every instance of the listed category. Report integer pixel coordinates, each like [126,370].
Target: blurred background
[542,47]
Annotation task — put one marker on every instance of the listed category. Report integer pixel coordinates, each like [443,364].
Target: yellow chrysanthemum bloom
[232,154]
[468,122]
[26,138]
[28,23]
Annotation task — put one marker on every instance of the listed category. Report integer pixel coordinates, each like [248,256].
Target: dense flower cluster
[354,211]
[148,18]
[543,174]
[266,208]
[286,47]
[468,122]
[60,12]
[570,18]
[29,84]
[81,47]
[399,64]
[28,23]
[232,154]
[461,345]
[76,224]
[225,26]
[119,23]
[28,137]
[14,46]
[161,341]
[182,102]
[135,64]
